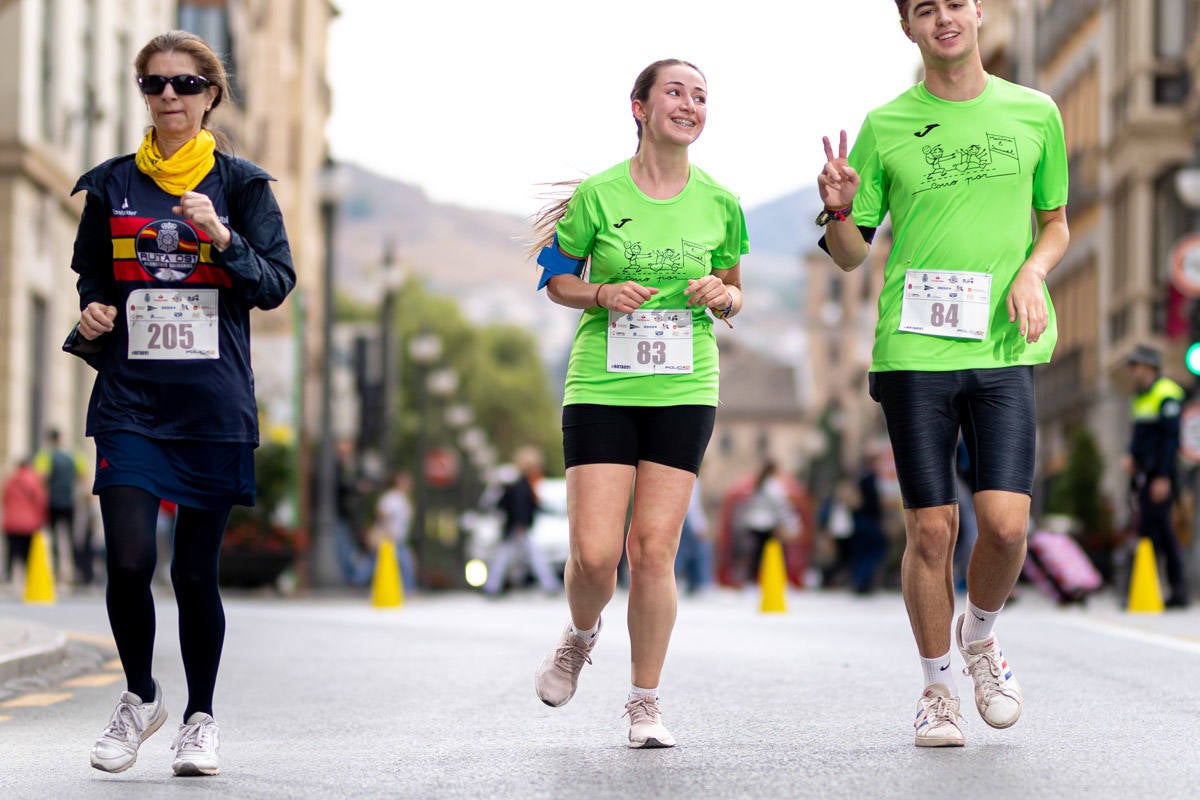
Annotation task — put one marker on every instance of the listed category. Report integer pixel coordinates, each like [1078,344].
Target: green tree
[500,378]
[1076,490]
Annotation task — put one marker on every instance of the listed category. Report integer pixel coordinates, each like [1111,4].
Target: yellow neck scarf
[184,170]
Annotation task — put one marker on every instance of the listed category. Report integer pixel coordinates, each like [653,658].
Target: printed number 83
[652,353]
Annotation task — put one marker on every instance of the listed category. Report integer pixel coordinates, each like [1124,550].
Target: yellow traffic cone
[1145,596]
[39,573]
[772,578]
[386,589]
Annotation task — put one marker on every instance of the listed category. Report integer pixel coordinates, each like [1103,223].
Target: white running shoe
[997,693]
[645,723]
[132,723]
[937,718]
[558,675]
[196,745]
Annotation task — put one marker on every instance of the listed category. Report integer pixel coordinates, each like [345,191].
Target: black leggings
[130,519]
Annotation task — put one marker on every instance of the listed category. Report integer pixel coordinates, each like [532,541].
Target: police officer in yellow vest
[1152,460]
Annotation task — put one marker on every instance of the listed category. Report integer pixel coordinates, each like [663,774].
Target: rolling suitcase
[1058,566]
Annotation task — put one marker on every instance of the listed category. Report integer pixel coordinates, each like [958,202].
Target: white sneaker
[132,723]
[196,745]
[557,676]
[645,723]
[997,693]
[937,718]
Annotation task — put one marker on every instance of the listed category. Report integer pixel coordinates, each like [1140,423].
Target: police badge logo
[168,249]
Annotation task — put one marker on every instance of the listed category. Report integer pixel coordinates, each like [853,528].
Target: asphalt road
[330,698]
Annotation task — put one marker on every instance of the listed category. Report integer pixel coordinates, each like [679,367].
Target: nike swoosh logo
[928,128]
[976,616]
[943,669]
[622,222]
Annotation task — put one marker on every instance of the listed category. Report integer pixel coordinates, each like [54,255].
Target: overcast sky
[479,103]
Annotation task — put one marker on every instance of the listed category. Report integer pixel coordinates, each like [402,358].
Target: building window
[39,357]
[1170,47]
[49,33]
[209,19]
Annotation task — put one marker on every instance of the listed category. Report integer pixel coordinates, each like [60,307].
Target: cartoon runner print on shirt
[997,159]
[646,264]
[168,249]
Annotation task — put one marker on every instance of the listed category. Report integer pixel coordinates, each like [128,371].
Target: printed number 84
[941,314]
[652,353]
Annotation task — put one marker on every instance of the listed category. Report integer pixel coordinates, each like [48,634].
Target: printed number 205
[171,336]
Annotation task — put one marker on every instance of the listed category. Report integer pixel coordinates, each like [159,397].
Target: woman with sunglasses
[662,244]
[177,242]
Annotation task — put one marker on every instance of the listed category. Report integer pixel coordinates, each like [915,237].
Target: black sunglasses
[182,84]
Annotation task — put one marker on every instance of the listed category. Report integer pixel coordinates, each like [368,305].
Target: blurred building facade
[68,101]
[1126,77]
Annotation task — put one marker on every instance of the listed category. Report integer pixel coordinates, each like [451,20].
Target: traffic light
[1192,359]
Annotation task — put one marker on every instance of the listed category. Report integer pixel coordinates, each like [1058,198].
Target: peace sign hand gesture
[838,182]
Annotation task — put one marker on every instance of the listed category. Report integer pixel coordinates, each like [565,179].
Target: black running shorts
[995,411]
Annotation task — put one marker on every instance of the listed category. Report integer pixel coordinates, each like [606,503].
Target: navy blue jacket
[193,399]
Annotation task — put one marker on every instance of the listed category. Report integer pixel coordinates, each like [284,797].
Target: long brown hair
[545,220]
[208,64]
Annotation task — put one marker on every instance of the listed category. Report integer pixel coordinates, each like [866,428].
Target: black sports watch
[829,215]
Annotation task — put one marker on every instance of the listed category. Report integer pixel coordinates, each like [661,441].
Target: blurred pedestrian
[767,514]
[968,528]
[1152,462]
[836,522]
[25,513]
[62,470]
[660,244]
[960,163]
[393,515]
[354,554]
[869,544]
[176,244]
[694,560]
[518,505]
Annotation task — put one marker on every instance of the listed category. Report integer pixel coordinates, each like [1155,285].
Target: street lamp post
[423,349]
[324,566]
[388,355]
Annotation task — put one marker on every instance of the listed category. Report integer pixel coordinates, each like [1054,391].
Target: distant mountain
[784,226]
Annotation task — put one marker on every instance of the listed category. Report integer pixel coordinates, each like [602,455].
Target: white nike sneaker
[132,723]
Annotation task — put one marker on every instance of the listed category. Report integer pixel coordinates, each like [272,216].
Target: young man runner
[958,161]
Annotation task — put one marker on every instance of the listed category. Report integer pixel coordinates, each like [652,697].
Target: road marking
[4,719]
[100,640]
[37,700]
[114,664]
[92,681]
[1171,642]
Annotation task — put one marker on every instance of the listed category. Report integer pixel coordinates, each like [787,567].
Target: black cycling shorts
[996,412]
[675,436]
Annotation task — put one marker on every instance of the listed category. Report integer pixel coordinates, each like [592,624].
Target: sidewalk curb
[26,648]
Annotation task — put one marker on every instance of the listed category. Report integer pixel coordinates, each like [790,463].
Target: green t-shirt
[657,243]
[960,180]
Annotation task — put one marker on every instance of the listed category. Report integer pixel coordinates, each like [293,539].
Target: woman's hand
[709,291]
[624,298]
[96,320]
[198,209]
